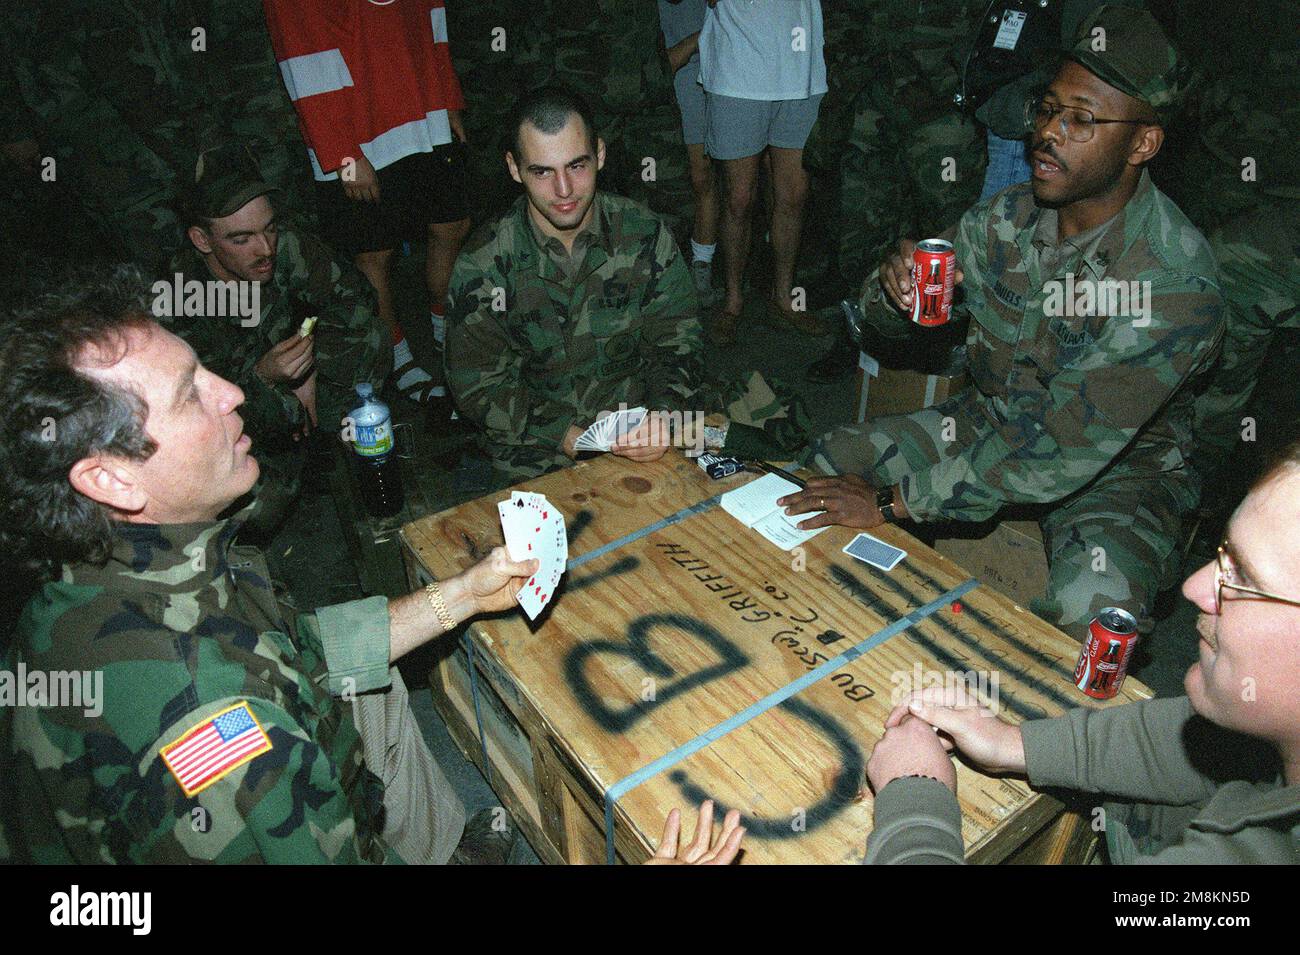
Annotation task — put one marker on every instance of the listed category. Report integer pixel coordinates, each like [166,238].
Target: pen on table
[773,469]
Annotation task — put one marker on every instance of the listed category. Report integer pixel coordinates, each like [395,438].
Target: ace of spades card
[534,528]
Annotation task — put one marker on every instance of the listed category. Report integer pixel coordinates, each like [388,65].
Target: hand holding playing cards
[534,528]
[647,442]
[848,500]
[494,581]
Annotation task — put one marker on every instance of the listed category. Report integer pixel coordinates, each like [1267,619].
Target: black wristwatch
[885,504]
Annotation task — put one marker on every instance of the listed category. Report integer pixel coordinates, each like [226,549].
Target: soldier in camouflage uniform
[572,302]
[911,164]
[127,93]
[576,301]
[908,162]
[1239,180]
[119,509]
[1081,410]
[601,49]
[1259,260]
[291,383]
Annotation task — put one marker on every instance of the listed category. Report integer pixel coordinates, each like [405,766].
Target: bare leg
[769,202]
[790,190]
[445,239]
[375,267]
[704,185]
[411,378]
[737,216]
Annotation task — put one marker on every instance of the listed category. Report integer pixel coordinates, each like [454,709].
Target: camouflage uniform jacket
[1186,812]
[184,625]
[1060,398]
[538,341]
[307,281]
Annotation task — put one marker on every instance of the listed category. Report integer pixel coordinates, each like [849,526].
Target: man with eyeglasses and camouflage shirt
[1093,301]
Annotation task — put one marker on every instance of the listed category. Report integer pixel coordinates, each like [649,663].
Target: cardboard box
[1010,558]
[886,391]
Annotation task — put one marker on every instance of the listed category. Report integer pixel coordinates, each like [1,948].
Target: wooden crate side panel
[511,779]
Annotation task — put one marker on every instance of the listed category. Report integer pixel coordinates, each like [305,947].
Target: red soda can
[1112,635]
[934,269]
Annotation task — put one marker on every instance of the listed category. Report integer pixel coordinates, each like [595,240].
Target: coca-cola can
[1112,635]
[934,270]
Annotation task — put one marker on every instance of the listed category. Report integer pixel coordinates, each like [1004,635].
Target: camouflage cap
[1125,47]
[226,179]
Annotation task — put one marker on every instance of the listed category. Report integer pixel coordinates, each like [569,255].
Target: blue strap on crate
[673,757]
[575,562]
[704,505]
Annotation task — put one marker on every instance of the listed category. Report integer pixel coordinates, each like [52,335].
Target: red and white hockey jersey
[366,76]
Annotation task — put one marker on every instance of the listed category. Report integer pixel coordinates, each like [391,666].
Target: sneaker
[489,835]
[410,379]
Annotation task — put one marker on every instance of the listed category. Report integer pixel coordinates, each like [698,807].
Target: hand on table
[896,274]
[647,442]
[720,851]
[910,747]
[848,500]
[989,743]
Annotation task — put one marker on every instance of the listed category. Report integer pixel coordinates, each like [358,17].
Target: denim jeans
[1007,164]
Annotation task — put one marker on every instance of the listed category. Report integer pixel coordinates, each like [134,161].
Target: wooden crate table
[675,621]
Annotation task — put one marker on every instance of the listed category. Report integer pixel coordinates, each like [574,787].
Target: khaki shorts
[736,128]
[423,816]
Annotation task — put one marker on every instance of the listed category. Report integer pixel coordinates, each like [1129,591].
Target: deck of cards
[874,551]
[610,428]
[533,528]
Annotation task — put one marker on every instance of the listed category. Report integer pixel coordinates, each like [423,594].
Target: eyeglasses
[1078,124]
[1224,571]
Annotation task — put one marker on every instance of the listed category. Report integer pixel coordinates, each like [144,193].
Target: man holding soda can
[1210,777]
[1092,301]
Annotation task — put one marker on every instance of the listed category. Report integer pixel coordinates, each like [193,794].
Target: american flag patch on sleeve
[214,748]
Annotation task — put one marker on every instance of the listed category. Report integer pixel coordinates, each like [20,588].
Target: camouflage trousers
[1111,544]
[1259,261]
